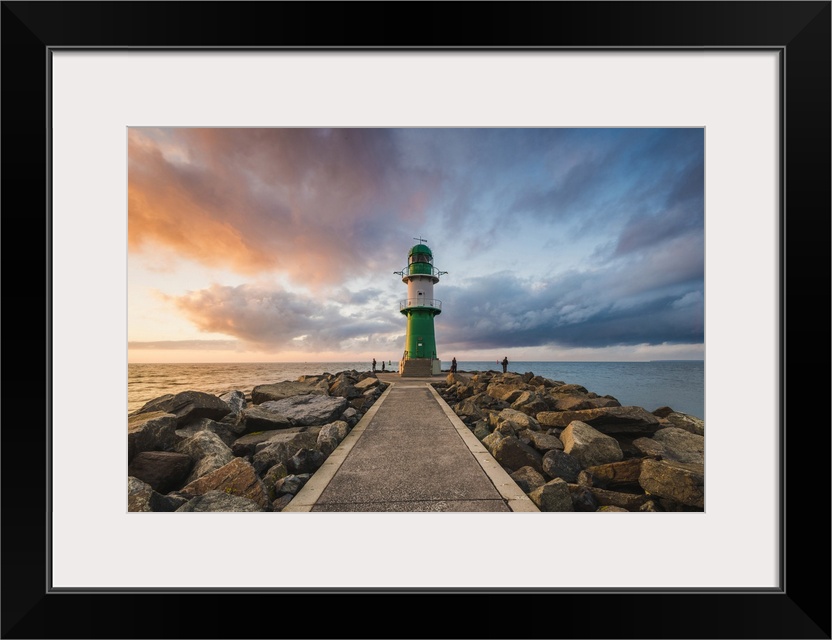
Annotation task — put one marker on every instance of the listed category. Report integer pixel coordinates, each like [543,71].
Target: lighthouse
[420,307]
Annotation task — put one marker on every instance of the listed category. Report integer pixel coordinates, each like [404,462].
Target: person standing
[453,365]
[505,364]
[374,365]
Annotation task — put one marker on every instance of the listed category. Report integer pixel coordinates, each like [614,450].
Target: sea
[678,384]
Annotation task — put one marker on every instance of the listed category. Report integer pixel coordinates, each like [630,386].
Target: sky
[280,245]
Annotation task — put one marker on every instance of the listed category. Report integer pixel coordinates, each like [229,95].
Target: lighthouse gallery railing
[419,302]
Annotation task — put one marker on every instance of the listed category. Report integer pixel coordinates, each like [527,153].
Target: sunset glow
[279,245]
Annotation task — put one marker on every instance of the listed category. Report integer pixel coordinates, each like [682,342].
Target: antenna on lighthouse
[421,240]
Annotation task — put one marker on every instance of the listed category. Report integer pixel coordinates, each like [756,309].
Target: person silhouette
[505,364]
[453,365]
[374,365]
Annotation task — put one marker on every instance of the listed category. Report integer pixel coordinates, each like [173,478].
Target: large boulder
[553,496]
[558,464]
[543,442]
[188,406]
[220,501]
[264,418]
[613,474]
[688,423]
[518,419]
[164,471]
[315,385]
[528,479]
[305,461]
[308,409]
[530,403]
[207,451]
[235,421]
[512,453]
[674,444]
[331,435]
[589,446]
[247,445]
[142,497]
[270,455]
[608,420]
[681,482]
[152,431]
[223,430]
[236,478]
[622,499]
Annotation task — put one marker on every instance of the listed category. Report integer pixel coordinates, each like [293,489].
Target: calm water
[679,384]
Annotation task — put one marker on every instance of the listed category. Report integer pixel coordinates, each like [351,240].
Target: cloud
[186,345]
[271,318]
[318,205]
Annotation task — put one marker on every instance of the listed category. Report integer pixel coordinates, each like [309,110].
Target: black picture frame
[799,31]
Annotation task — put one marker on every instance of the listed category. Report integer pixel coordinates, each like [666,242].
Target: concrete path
[410,452]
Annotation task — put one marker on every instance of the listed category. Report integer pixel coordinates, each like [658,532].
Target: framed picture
[754,75]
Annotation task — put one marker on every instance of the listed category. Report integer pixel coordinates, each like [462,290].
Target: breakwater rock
[195,451]
[570,449]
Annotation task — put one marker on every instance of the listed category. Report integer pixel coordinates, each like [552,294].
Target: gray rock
[582,499]
[236,400]
[628,501]
[330,436]
[607,420]
[518,419]
[152,431]
[688,423]
[263,418]
[139,495]
[308,409]
[274,453]
[236,478]
[589,446]
[553,496]
[219,501]
[207,451]
[305,461]
[558,464]
[271,478]
[680,445]
[164,471]
[543,442]
[290,484]
[683,483]
[223,430]
[247,445]
[512,453]
[315,385]
[188,406]
[614,474]
[530,403]
[528,479]
[351,416]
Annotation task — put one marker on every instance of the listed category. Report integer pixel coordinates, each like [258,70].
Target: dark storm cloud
[642,304]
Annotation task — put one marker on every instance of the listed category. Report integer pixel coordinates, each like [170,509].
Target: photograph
[396,313]
[563,335]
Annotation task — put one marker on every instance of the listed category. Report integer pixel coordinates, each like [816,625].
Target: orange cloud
[318,205]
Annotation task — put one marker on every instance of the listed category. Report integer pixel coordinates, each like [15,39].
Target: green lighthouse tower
[420,307]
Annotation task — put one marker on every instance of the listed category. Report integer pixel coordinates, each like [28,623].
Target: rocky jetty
[570,449]
[195,451]
[567,448]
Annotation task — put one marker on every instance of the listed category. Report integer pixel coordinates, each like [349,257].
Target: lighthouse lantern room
[420,307]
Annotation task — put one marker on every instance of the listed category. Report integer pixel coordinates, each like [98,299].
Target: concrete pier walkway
[410,452]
